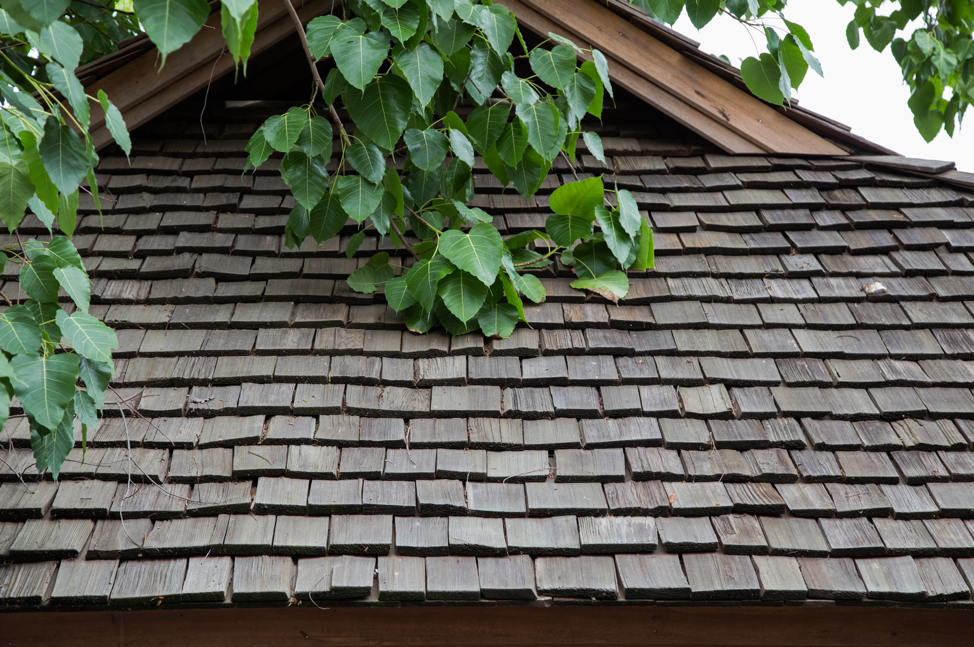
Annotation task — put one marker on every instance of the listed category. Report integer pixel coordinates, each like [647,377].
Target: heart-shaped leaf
[478,252]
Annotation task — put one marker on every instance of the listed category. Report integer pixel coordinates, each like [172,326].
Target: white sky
[862,88]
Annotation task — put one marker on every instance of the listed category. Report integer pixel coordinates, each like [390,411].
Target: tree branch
[405,243]
[314,68]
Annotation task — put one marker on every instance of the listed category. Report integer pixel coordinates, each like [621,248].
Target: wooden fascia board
[142,91]
[741,112]
[667,103]
[415,626]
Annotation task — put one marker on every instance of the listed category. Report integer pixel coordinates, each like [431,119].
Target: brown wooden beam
[142,91]
[667,103]
[739,111]
[476,627]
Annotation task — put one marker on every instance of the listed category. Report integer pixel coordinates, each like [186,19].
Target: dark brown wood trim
[473,627]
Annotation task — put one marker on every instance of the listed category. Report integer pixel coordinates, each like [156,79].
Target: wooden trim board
[665,102]
[472,627]
[142,91]
[742,113]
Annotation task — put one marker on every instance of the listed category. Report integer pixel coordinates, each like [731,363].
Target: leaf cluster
[405,71]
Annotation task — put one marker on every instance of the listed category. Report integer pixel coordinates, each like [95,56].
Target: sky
[862,88]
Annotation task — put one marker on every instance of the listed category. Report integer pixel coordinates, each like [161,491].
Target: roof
[779,413]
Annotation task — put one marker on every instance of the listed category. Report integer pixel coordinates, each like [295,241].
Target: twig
[206,96]
[423,220]
[19,476]
[314,68]
[5,298]
[570,165]
[405,242]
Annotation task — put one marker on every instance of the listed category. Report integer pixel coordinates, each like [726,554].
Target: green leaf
[75,282]
[8,25]
[762,77]
[461,146]
[852,34]
[64,254]
[512,142]
[485,124]
[452,36]
[879,32]
[423,69]
[38,281]
[397,294]
[566,229]
[67,215]
[498,320]
[327,218]
[424,277]
[6,371]
[811,59]
[19,333]
[96,376]
[612,285]
[541,121]
[64,44]
[320,32]
[523,239]
[362,280]
[667,10]
[171,23]
[64,156]
[528,284]
[478,252]
[358,197]
[89,336]
[15,190]
[335,84]
[645,257]
[457,181]
[594,145]
[578,198]
[116,123]
[418,320]
[528,174]
[592,258]
[258,150]
[45,315]
[463,294]
[554,67]
[239,32]
[401,22]
[498,26]
[702,12]
[496,166]
[282,131]
[427,148]
[368,161]
[456,68]
[68,85]
[443,8]
[51,447]
[615,235]
[359,56]
[486,68]
[297,227]
[602,66]
[519,90]
[596,105]
[315,138]
[354,242]
[472,214]
[793,61]
[84,408]
[382,110]
[629,212]
[46,385]
[307,177]
[580,92]
[34,14]
[927,119]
